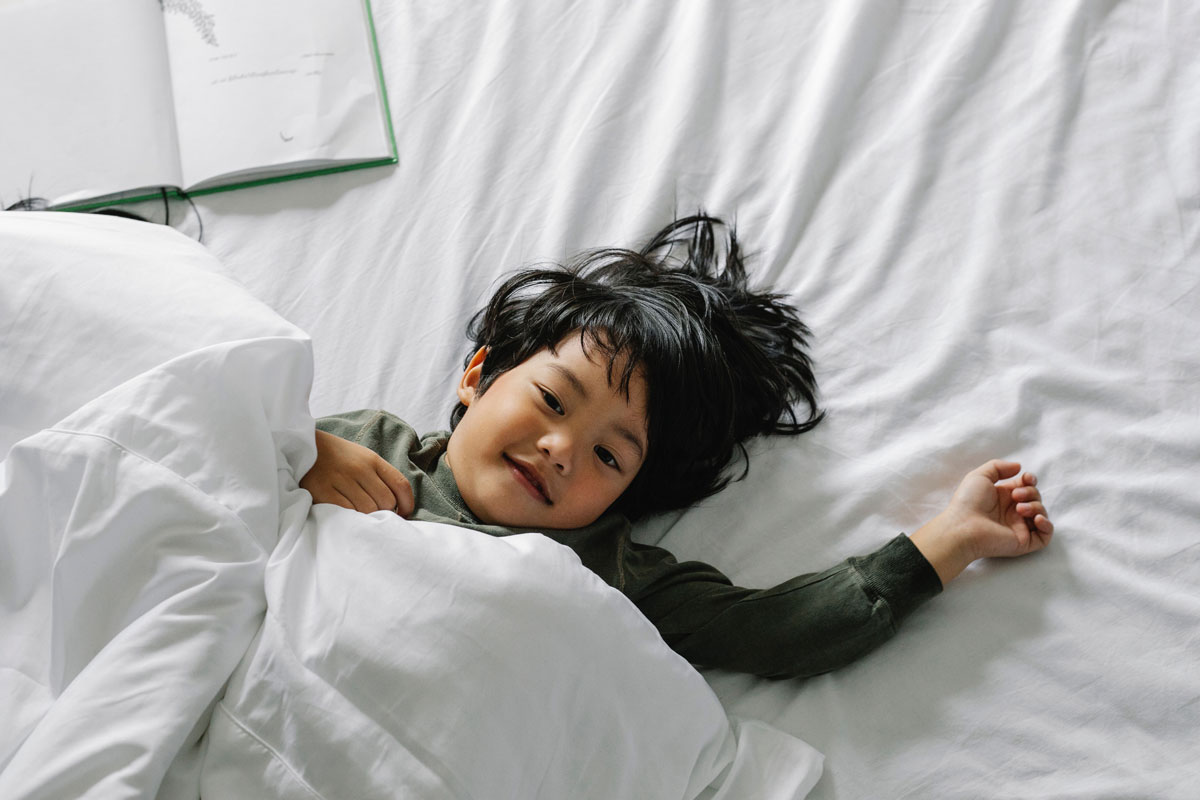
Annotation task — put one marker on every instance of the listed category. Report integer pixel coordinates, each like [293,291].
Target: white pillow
[89,301]
[420,660]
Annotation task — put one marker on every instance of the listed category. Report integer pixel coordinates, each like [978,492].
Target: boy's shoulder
[388,435]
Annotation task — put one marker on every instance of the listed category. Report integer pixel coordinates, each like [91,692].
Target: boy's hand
[1001,511]
[355,477]
[994,512]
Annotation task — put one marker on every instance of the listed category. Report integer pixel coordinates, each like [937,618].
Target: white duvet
[177,619]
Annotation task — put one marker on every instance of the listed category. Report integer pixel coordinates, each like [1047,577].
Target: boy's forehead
[591,355]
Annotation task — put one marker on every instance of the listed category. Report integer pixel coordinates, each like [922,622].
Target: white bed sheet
[990,214]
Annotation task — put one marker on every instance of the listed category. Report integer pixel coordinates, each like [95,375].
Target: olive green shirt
[810,624]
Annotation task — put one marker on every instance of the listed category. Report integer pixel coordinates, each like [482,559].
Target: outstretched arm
[996,511]
[818,622]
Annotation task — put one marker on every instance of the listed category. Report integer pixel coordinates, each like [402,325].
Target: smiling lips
[529,480]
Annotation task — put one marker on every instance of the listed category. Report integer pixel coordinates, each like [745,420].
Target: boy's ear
[468,384]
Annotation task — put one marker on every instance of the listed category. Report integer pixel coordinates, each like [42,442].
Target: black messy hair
[722,362]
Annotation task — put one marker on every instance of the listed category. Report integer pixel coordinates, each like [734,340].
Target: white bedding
[177,617]
[989,213]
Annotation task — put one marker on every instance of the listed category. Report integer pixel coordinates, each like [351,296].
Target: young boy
[624,384]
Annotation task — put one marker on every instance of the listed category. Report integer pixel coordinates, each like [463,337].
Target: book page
[86,99]
[270,83]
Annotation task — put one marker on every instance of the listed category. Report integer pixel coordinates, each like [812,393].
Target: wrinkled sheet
[989,214]
[176,617]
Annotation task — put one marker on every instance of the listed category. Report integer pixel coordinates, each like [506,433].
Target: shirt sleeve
[349,425]
[805,626]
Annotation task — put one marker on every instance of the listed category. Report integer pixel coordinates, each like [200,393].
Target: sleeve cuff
[898,573]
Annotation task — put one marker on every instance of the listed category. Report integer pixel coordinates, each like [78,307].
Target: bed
[989,214]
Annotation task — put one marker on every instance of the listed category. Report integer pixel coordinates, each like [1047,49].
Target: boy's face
[550,444]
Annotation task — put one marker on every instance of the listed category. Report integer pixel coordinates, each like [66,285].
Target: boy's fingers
[997,469]
[1026,494]
[338,499]
[400,488]
[378,494]
[360,499]
[1034,509]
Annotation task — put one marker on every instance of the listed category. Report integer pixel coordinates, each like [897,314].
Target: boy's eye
[552,401]
[606,457]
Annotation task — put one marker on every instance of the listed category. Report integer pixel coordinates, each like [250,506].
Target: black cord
[196,211]
[30,203]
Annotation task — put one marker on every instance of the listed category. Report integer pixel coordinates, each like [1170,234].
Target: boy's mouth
[529,480]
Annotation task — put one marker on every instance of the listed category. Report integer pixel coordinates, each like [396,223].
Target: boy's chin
[549,521]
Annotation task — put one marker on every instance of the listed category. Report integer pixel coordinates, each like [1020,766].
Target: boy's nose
[558,448]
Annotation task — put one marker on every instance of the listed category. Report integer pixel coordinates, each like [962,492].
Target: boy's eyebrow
[571,378]
[577,385]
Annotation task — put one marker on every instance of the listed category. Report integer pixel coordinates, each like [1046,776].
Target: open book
[114,101]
